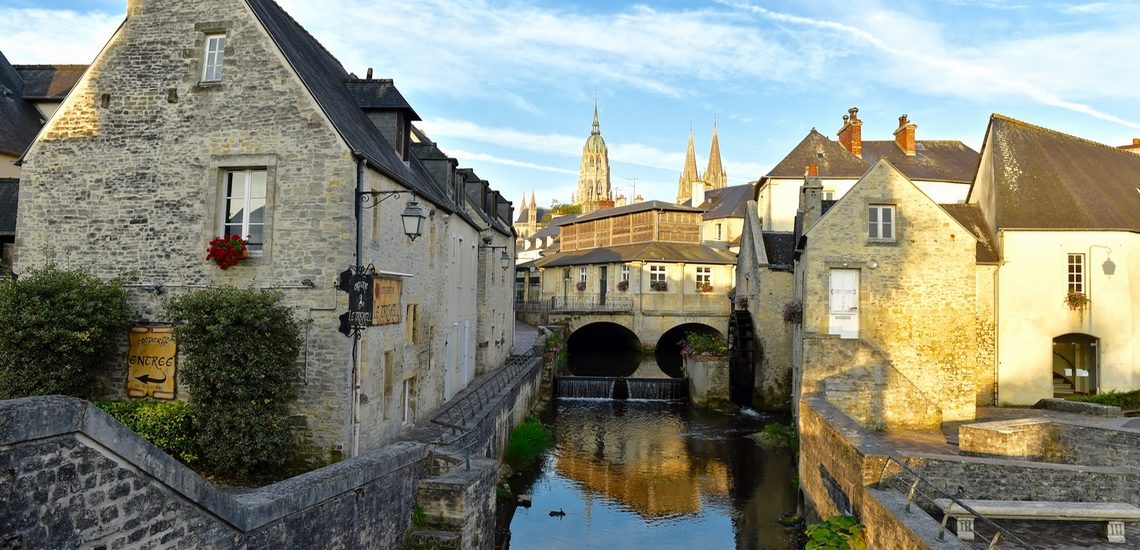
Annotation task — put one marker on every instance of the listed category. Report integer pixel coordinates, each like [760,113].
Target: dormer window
[212,62]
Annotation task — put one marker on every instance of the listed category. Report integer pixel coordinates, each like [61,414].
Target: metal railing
[591,302]
[922,489]
[462,414]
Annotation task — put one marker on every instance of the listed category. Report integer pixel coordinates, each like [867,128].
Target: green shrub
[241,348]
[696,343]
[61,328]
[166,424]
[837,533]
[528,441]
[1124,400]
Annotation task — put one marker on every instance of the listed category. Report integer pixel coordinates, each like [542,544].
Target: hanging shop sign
[151,362]
[386,301]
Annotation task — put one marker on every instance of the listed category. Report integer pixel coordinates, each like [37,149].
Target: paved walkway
[1041,534]
[525,338]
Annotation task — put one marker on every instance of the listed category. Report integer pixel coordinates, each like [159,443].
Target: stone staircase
[1062,387]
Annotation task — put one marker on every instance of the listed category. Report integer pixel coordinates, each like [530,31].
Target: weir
[607,387]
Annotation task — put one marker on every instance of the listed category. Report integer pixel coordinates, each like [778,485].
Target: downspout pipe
[361,163]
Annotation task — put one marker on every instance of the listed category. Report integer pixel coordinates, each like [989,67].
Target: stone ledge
[1043,510]
[1078,407]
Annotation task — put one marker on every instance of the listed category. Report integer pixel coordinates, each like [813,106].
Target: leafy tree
[240,349]
[61,328]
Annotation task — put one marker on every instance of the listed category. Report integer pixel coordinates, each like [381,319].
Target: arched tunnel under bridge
[668,353]
[603,349]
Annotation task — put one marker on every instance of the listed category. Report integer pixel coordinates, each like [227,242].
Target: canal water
[653,474]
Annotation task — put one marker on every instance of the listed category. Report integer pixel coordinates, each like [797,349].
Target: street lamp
[565,289]
[413,216]
[504,258]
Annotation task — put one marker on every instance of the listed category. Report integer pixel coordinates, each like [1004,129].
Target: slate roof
[970,216]
[937,160]
[325,78]
[636,207]
[19,119]
[524,214]
[553,227]
[726,202]
[648,252]
[1044,179]
[780,247]
[49,81]
[379,94]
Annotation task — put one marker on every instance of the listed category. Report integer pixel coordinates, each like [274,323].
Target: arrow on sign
[146,379]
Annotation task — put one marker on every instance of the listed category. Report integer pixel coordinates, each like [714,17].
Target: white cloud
[54,36]
[466,156]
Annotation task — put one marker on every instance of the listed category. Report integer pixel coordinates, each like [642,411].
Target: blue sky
[508,86]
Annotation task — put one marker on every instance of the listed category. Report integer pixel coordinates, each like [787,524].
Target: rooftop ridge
[999,116]
[40,67]
[311,37]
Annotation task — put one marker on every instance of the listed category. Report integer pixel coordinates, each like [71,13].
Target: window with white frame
[657,274]
[704,276]
[407,405]
[718,233]
[581,274]
[881,222]
[212,60]
[243,207]
[828,194]
[625,272]
[1076,273]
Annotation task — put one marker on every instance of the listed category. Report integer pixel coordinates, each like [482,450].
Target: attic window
[819,155]
[213,56]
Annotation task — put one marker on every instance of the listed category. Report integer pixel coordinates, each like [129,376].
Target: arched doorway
[1075,365]
[603,349]
[668,352]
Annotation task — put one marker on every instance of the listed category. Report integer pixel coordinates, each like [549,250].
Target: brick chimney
[811,170]
[851,134]
[1134,148]
[904,135]
[811,200]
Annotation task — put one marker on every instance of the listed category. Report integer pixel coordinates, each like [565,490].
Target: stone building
[714,177]
[225,116]
[594,172]
[943,169]
[1064,214]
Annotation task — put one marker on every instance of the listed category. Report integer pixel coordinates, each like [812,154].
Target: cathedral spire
[689,173]
[531,199]
[597,131]
[594,171]
[715,177]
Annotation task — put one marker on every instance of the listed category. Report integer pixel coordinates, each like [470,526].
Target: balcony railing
[579,302]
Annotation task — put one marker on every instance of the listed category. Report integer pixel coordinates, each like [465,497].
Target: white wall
[1032,283]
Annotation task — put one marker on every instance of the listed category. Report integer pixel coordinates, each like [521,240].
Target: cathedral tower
[715,176]
[689,174]
[594,172]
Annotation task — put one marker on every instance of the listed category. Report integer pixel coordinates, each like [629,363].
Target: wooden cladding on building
[636,227]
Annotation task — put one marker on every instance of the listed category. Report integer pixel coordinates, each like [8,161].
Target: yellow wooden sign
[386,301]
[150,362]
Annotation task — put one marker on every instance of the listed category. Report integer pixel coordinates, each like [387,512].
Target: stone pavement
[1040,534]
[525,338]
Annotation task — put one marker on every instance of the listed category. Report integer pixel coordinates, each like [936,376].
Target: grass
[528,441]
[1124,400]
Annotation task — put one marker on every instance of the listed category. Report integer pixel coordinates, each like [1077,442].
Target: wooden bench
[1111,514]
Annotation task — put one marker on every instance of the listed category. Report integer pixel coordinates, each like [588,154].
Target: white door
[843,311]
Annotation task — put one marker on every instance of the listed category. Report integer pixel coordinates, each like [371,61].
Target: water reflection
[653,474]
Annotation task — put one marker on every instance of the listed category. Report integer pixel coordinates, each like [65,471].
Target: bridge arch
[603,349]
[668,352]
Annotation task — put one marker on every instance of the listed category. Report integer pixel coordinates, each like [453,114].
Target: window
[704,276]
[212,63]
[656,274]
[828,194]
[718,232]
[407,405]
[625,272]
[881,222]
[581,274]
[411,331]
[1077,273]
[243,207]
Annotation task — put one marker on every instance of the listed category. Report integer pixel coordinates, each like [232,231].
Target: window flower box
[623,286]
[704,287]
[792,312]
[581,286]
[227,251]
[1077,301]
[659,286]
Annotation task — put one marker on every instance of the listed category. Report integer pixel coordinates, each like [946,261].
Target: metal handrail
[999,531]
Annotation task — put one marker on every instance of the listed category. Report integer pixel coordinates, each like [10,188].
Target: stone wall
[985,379]
[916,293]
[72,476]
[1054,440]
[708,381]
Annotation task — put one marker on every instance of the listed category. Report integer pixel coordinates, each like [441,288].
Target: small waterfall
[657,389]
[605,387]
[584,387]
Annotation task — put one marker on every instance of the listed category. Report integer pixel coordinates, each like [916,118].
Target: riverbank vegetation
[528,441]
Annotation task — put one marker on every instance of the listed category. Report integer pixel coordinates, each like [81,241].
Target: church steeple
[689,173]
[594,171]
[715,176]
[531,212]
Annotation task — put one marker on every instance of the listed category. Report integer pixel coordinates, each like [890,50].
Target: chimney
[811,170]
[811,201]
[1134,148]
[904,135]
[698,193]
[851,134]
[369,74]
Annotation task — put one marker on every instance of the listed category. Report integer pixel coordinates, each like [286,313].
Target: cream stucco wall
[1032,282]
